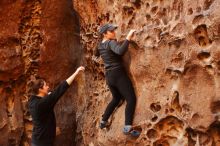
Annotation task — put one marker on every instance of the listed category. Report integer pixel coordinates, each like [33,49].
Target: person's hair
[36,85]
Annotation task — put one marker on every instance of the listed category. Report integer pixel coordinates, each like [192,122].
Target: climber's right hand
[130,34]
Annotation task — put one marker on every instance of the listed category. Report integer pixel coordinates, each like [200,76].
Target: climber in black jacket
[41,105]
[117,79]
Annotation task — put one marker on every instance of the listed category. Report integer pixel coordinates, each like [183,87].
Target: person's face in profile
[45,89]
[110,34]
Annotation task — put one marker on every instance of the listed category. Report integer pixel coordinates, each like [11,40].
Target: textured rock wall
[37,39]
[11,75]
[174,65]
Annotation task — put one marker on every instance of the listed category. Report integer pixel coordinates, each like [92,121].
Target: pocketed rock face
[11,72]
[37,39]
[174,65]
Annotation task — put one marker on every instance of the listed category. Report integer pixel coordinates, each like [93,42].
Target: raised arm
[117,48]
[51,99]
[72,77]
[120,49]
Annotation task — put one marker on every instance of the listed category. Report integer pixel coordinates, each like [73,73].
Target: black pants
[121,88]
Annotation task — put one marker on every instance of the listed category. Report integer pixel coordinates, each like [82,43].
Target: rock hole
[177,71]
[166,111]
[161,142]
[154,119]
[172,110]
[101,74]
[197,19]
[191,136]
[155,107]
[204,138]
[218,65]
[107,16]
[201,35]
[208,67]
[170,124]
[137,3]
[190,11]
[168,72]
[186,107]
[191,132]
[165,21]
[175,102]
[147,5]
[24,47]
[128,10]
[214,131]
[130,22]
[177,17]
[202,41]
[207,4]
[203,55]
[154,9]
[148,17]
[152,134]
[162,13]
[149,125]
[218,34]
[176,43]
[156,22]
[195,117]
[160,126]
[215,107]
[144,138]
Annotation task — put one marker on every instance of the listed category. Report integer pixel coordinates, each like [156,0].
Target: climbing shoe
[128,130]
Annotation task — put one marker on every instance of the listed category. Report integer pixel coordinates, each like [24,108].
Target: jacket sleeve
[117,48]
[50,100]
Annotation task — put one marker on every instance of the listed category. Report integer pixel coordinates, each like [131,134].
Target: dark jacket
[111,52]
[41,110]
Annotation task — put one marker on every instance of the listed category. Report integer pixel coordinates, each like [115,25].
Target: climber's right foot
[128,130]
